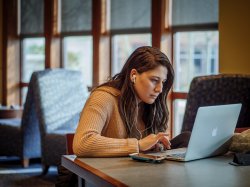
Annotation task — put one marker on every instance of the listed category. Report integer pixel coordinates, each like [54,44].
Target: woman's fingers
[165,142]
[151,140]
[163,138]
[159,147]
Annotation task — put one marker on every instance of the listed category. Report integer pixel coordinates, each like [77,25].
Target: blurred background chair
[21,136]
[59,98]
[217,90]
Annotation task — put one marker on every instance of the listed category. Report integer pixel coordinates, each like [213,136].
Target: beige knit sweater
[101,132]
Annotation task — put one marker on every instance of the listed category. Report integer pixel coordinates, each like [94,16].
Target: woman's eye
[154,80]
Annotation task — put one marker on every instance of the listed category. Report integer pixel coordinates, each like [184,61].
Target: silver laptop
[212,130]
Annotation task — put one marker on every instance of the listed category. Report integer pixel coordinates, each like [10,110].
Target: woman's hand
[151,140]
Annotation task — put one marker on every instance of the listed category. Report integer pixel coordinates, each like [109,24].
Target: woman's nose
[159,87]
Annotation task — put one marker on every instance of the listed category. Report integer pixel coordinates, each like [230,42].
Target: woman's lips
[154,96]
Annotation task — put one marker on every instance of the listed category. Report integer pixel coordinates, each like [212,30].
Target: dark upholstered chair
[21,136]
[59,98]
[216,90]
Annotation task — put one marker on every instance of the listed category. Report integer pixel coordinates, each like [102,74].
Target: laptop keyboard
[177,155]
[180,153]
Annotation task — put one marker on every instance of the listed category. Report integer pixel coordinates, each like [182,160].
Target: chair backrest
[59,97]
[216,90]
[30,127]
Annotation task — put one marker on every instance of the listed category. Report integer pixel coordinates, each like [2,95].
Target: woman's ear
[133,78]
[133,75]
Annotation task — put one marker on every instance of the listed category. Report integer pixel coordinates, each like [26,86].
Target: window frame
[161,32]
[175,95]
[100,32]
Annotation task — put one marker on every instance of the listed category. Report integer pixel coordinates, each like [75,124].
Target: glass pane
[124,45]
[195,54]
[194,12]
[32,13]
[78,56]
[76,15]
[24,94]
[33,57]
[130,14]
[179,110]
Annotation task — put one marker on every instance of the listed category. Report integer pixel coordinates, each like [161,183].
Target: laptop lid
[213,127]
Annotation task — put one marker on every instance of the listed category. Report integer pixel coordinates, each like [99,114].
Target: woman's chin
[150,101]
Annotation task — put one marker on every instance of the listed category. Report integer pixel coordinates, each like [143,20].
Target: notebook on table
[212,131]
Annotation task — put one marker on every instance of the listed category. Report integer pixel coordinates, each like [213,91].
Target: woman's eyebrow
[155,76]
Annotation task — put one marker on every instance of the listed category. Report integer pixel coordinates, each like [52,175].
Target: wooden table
[126,172]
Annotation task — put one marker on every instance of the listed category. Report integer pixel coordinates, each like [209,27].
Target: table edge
[96,172]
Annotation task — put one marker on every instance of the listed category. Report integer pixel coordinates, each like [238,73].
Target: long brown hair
[156,115]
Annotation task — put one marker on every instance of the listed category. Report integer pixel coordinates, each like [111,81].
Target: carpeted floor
[13,175]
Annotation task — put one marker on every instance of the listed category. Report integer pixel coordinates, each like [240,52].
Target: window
[130,28]
[76,26]
[179,109]
[32,42]
[124,45]
[195,54]
[97,38]
[33,57]
[195,48]
[78,56]
[130,14]
[76,15]
[32,17]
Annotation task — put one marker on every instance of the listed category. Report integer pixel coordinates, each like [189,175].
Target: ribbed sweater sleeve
[98,113]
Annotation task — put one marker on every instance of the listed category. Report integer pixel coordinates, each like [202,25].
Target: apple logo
[214,131]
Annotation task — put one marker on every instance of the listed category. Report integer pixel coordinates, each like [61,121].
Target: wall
[234,36]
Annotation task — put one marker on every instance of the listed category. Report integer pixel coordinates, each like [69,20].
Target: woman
[128,113]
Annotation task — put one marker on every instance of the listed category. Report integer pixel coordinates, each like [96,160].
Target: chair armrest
[239,130]
[69,143]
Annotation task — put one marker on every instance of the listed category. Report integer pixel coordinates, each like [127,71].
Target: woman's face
[148,85]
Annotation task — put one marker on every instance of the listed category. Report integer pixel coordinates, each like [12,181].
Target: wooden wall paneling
[101,41]
[96,34]
[158,22]
[11,54]
[1,48]
[51,33]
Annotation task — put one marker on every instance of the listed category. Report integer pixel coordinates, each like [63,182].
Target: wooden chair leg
[45,169]
[25,162]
